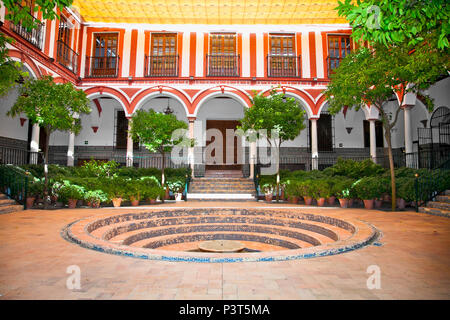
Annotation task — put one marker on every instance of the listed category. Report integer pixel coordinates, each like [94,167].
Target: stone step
[438,205]
[435,211]
[221,191]
[3,196]
[6,202]
[221,196]
[443,198]
[11,208]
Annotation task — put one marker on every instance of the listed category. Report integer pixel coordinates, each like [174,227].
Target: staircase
[439,207]
[7,205]
[221,189]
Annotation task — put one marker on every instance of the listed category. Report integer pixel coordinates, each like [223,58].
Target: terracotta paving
[414,261]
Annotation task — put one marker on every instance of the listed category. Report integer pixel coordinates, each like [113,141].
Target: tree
[275,118]
[10,70]
[393,22]
[157,132]
[53,107]
[370,77]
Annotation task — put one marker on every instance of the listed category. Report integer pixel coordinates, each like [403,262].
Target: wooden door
[222,126]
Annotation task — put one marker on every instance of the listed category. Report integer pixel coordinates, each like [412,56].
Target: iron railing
[223,65]
[146,160]
[161,66]
[427,187]
[34,36]
[16,156]
[102,67]
[283,66]
[66,56]
[14,184]
[333,63]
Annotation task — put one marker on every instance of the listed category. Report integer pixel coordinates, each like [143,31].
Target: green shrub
[354,169]
[95,196]
[134,190]
[343,189]
[98,168]
[319,189]
[405,188]
[367,188]
[115,187]
[175,185]
[36,187]
[154,193]
[71,191]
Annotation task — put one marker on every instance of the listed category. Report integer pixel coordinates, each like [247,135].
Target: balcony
[102,67]
[223,65]
[66,56]
[333,63]
[283,66]
[161,66]
[34,36]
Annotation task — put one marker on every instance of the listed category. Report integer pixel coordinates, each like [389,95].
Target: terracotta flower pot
[321,202]
[95,204]
[152,201]
[134,203]
[116,202]
[378,203]
[308,200]
[268,197]
[167,196]
[401,204]
[368,204]
[331,200]
[30,201]
[293,199]
[72,203]
[343,203]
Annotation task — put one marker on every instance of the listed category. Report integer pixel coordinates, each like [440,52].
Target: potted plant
[306,190]
[115,190]
[332,197]
[154,193]
[268,191]
[95,197]
[367,190]
[320,191]
[35,189]
[292,192]
[71,193]
[134,192]
[343,191]
[176,187]
[405,191]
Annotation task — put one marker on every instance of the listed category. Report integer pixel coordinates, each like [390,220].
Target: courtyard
[412,256]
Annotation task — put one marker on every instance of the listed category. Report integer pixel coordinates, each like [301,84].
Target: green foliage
[98,168]
[405,187]
[36,188]
[354,169]
[343,189]
[367,188]
[115,188]
[52,106]
[175,184]
[95,196]
[392,22]
[70,191]
[319,189]
[10,70]
[154,193]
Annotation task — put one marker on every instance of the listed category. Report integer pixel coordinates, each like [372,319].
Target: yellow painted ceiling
[210,11]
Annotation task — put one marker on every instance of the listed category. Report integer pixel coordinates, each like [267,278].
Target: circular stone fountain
[222,235]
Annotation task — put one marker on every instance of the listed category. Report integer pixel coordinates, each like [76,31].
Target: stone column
[71,150]
[408,136]
[129,159]
[373,141]
[314,147]
[191,157]
[34,144]
[252,158]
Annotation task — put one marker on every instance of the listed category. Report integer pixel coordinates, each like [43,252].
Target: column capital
[407,106]
[372,119]
[191,119]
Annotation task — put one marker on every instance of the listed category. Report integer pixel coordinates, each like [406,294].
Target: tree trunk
[391,167]
[47,140]
[163,178]
[278,175]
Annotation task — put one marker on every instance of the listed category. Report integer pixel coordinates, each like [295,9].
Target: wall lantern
[168,110]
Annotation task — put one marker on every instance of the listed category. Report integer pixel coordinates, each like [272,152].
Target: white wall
[10,127]
[159,104]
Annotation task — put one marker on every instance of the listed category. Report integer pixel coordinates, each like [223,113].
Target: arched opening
[325,131]
[222,148]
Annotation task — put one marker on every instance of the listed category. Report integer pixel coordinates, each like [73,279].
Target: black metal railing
[283,66]
[223,65]
[66,56]
[333,63]
[34,36]
[16,156]
[427,187]
[102,67]
[161,66]
[14,184]
[142,160]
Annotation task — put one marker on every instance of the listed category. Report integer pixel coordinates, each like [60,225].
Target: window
[282,61]
[105,60]
[378,134]
[64,54]
[222,58]
[163,58]
[35,35]
[338,48]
